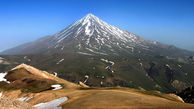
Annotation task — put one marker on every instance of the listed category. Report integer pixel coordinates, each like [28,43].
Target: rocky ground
[6,103]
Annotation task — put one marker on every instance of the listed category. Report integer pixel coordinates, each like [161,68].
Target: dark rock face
[169,74]
[152,71]
[191,58]
[187,95]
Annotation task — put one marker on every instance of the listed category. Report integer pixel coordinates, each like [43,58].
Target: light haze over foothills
[169,22]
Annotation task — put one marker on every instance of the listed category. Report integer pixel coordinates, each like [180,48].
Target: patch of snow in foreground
[52,104]
[2,77]
[56,87]
[24,98]
[1,95]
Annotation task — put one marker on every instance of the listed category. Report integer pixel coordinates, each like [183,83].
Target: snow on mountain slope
[91,26]
[91,35]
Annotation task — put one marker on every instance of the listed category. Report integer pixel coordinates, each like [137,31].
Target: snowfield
[1,95]
[60,61]
[25,98]
[108,67]
[52,104]
[84,53]
[2,77]
[107,61]
[56,87]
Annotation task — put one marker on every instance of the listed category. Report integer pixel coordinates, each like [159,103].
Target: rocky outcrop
[187,95]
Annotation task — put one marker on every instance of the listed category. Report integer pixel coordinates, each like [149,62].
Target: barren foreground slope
[14,104]
[105,99]
[124,99]
[25,77]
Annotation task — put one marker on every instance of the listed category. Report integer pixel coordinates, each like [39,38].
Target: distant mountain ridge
[91,35]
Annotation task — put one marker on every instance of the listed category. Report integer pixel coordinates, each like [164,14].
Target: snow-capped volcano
[90,35]
[97,36]
[91,27]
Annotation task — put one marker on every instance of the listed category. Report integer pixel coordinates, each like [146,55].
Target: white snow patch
[95,51]
[26,58]
[2,77]
[101,83]
[87,77]
[60,61]
[83,53]
[107,61]
[87,30]
[180,66]
[1,94]
[63,36]
[90,50]
[52,104]
[25,99]
[79,46]
[56,86]
[107,67]
[62,48]
[167,65]
[111,62]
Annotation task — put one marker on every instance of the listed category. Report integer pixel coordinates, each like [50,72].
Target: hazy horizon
[169,22]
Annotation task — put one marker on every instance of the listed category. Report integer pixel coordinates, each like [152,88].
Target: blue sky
[167,21]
